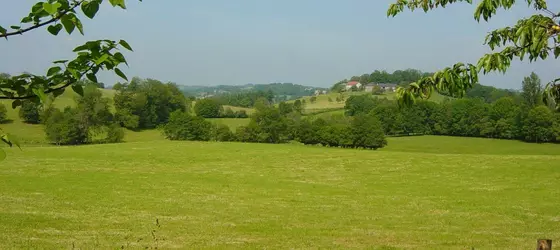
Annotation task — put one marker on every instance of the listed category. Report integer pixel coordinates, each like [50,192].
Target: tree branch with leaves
[534,38]
[92,57]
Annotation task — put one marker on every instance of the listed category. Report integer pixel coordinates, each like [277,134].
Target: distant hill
[282,91]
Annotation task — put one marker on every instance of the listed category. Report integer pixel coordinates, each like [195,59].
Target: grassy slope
[233,195]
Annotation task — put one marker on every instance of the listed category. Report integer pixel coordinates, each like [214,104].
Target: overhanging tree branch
[39,25]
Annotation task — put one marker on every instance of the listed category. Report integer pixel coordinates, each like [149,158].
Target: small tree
[313,99]
[539,125]
[3,113]
[330,99]
[66,128]
[183,126]
[208,108]
[221,132]
[30,112]
[367,132]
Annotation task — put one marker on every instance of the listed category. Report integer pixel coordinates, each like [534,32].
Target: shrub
[221,132]
[366,131]
[241,114]
[65,128]
[3,113]
[208,108]
[183,126]
[30,112]
[115,134]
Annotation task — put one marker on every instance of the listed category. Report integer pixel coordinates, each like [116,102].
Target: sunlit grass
[417,193]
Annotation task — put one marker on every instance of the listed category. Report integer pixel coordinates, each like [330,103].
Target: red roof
[352,83]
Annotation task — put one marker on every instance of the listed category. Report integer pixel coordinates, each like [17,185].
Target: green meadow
[425,192]
[418,193]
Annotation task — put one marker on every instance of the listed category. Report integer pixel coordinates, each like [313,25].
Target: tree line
[521,116]
[270,124]
[401,77]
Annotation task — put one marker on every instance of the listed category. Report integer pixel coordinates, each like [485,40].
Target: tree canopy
[534,38]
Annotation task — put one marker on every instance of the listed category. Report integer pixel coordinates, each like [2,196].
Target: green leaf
[2,30]
[119,3]
[78,24]
[102,59]
[68,23]
[41,94]
[5,139]
[120,73]
[80,48]
[58,92]
[14,140]
[51,8]
[125,45]
[78,89]
[556,52]
[90,8]
[61,61]
[55,29]
[16,104]
[91,77]
[53,70]
[15,27]
[120,58]
[2,154]
[26,19]
[74,73]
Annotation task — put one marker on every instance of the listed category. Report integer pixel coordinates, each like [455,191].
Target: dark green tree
[183,126]
[208,108]
[539,125]
[30,111]
[367,132]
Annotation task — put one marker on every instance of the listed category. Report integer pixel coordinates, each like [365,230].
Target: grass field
[418,193]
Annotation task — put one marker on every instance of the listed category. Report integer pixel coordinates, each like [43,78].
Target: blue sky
[309,42]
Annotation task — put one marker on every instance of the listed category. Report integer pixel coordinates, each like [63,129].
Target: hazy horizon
[312,43]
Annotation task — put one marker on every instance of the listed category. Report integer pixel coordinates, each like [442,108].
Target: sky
[308,42]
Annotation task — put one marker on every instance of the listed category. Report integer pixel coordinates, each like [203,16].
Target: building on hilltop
[351,84]
[385,87]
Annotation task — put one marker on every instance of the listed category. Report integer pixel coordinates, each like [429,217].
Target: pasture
[417,193]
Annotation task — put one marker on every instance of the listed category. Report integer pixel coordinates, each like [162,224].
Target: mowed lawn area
[500,195]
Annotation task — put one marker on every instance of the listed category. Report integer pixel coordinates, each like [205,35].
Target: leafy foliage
[30,111]
[3,113]
[208,108]
[81,124]
[183,126]
[92,57]
[147,103]
[535,37]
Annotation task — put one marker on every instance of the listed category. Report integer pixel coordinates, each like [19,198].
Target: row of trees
[271,124]
[211,108]
[506,118]
[244,99]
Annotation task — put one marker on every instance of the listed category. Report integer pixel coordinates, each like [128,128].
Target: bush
[30,112]
[115,134]
[367,132]
[208,108]
[241,114]
[182,126]
[3,113]
[222,132]
[65,128]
